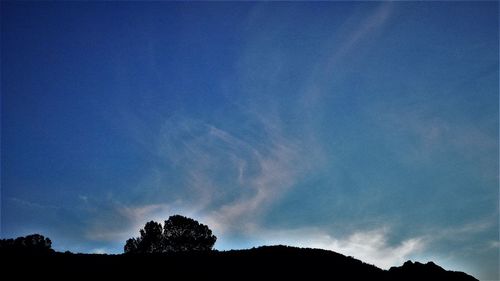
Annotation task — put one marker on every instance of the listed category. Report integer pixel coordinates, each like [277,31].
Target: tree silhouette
[151,238]
[179,234]
[185,234]
[33,244]
[132,245]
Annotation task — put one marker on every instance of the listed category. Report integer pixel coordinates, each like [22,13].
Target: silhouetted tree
[34,243]
[132,245]
[179,234]
[185,234]
[6,245]
[151,238]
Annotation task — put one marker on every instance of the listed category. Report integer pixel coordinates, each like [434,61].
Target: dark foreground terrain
[259,263]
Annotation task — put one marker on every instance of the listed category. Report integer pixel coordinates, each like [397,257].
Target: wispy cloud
[452,246]
[229,179]
[120,222]
[232,178]
[371,24]
[463,235]
[83,198]
[32,205]
[433,133]
[371,246]
[347,42]
[100,251]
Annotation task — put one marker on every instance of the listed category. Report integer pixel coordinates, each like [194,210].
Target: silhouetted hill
[429,271]
[260,263]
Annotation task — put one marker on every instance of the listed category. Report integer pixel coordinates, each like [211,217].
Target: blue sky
[368,128]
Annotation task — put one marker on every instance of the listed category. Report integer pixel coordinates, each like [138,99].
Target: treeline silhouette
[34,244]
[32,257]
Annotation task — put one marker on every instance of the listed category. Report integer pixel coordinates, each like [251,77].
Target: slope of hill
[259,263]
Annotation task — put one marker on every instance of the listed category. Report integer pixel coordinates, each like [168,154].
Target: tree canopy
[34,243]
[178,234]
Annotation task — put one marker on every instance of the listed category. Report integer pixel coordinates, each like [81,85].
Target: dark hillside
[260,263]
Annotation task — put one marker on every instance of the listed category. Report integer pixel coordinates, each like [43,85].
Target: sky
[367,128]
